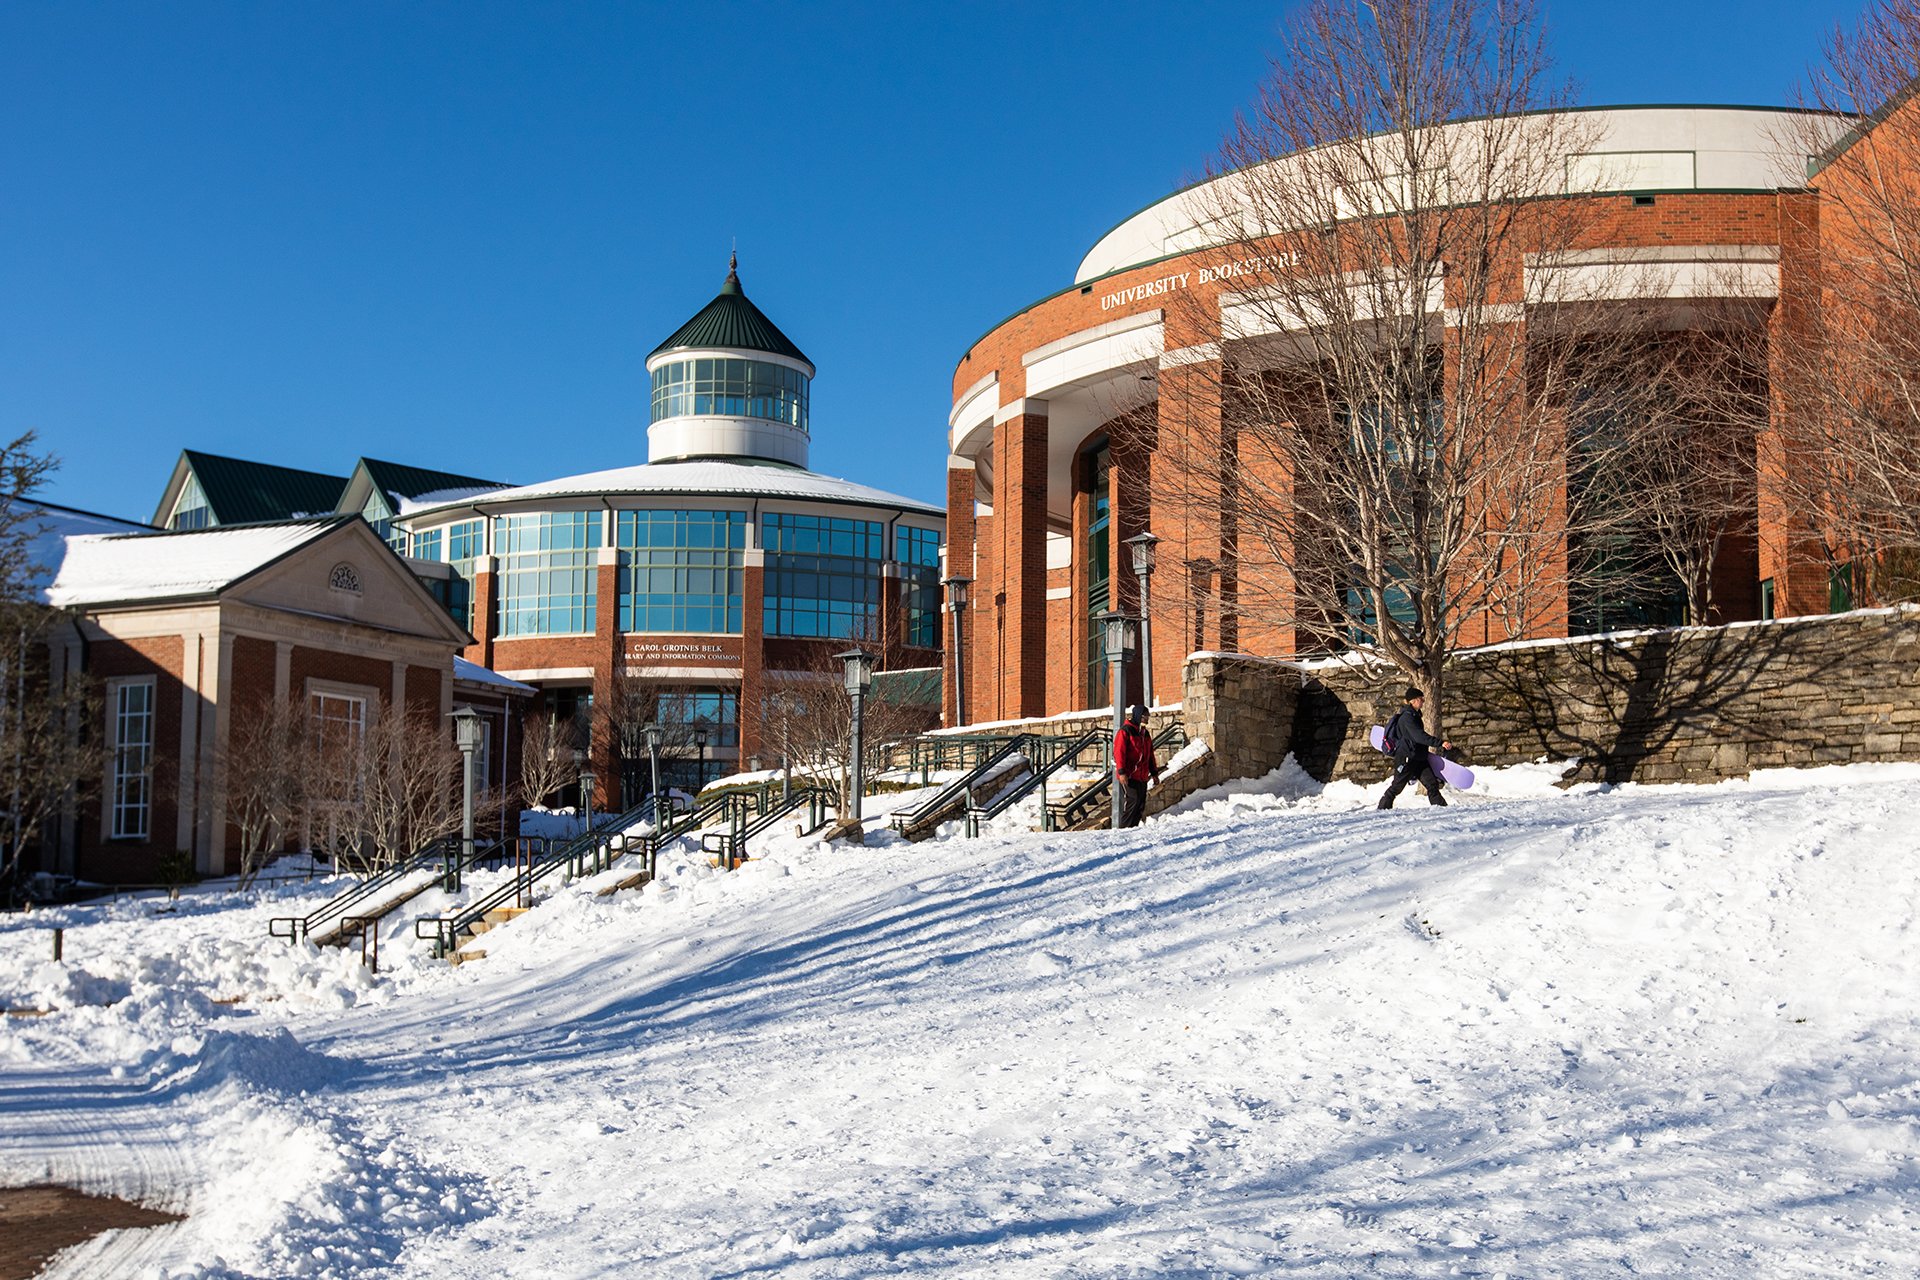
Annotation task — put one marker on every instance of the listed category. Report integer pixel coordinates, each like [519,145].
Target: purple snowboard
[1457,776]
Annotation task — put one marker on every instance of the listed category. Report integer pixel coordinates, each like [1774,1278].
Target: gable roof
[403,483]
[131,568]
[731,322]
[243,492]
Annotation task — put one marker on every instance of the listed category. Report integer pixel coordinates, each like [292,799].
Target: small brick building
[183,631]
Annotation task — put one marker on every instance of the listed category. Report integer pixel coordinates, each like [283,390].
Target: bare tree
[808,721]
[265,767]
[630,704]
[547,744]
[1383,439]
[1845,449]
[48,759]
[411,784]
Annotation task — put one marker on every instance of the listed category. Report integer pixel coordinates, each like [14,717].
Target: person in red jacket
[1133,762]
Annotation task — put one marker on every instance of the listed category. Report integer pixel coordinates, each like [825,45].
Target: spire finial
[732,284]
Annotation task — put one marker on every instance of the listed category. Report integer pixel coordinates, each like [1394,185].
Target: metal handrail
[336,909]
[744,826]
[535,858]
[1074,808]
[957,789]
[1064,751]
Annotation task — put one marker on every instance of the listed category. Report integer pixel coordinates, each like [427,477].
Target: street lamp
[653,762]
[1118,634]
[1142,545]
[587,780]
[467,730]
[859,677]
[700,741]
[957,604]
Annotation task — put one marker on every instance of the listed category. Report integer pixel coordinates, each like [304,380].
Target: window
[378,514]
[1766,600]
[1840,588]
[191,511]
[730,388]
[680,571]
[1099,571]
[918,553]
[466,542]
[426,545]
[823,576]
[339,719]
[130,797]
[548,572]
[1621,580]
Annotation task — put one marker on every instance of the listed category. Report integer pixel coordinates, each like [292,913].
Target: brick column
[1020,509]
[1791,551]
[607,662]
[753,650]
[485,588]
[1187,482]
[960,563]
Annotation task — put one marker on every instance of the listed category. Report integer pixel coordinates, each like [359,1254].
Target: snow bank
[1542,1032]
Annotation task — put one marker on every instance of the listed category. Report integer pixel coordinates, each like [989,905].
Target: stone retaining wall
[1688,705]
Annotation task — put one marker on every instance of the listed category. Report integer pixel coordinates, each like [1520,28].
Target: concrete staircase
[480,928]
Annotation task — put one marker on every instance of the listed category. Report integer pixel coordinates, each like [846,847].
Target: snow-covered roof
[48,526]
[474,673]
[130,567]
[703,477]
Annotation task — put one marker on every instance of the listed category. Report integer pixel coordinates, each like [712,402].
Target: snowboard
[1457,776]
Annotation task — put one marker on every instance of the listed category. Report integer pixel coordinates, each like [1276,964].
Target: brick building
[185,631]
[1042,489]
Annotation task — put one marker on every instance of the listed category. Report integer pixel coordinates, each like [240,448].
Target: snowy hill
[1645,1030]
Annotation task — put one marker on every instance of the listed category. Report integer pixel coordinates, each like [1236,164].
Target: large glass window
[1099,571]
[466,542]
[680,571]
[823,576]
[548,572]
[132,739]
[380,516]
[918,553]
[730,388]
[191,511]
[426,545]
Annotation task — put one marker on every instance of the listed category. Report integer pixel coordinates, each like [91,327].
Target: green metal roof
[732,323]
[398,480]
[911,687]
[242,492]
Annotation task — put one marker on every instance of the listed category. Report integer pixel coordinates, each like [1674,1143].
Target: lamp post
[700,741]
[653,763]
[1142,546]
[1118,634]
[467,728]
[859,677]
[956,605]
[580,758]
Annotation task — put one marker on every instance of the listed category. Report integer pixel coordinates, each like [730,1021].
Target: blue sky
[448,234]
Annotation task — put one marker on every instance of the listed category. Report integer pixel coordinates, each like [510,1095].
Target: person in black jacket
[1411,742]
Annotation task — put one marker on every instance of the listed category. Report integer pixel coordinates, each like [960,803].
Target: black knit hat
[1414,691]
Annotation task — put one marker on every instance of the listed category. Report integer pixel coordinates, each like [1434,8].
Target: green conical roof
[731,322]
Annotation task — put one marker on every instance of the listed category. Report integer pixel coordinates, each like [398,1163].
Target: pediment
[352,576]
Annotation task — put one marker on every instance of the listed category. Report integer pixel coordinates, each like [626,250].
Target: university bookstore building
[1064,414]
